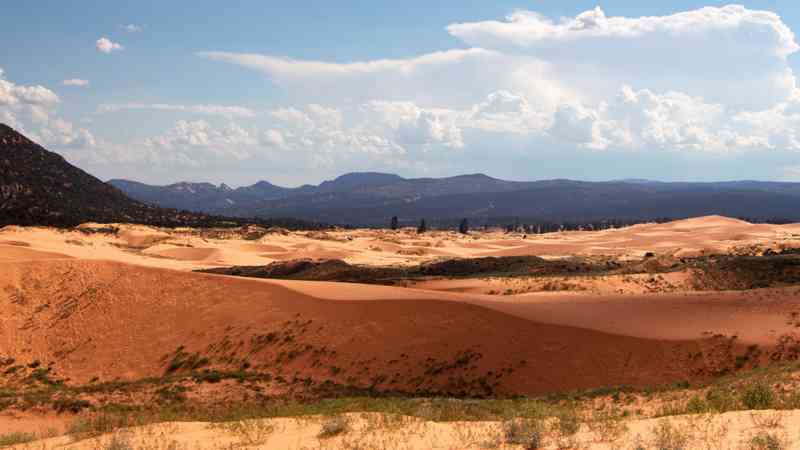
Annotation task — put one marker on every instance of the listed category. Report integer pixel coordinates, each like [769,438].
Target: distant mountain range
[371,199]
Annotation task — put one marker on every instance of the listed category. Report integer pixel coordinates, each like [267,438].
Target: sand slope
[82,315]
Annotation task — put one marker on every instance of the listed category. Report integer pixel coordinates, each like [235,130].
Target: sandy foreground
[731,430]
[79,301]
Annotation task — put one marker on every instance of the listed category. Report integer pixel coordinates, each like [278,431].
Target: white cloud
[32,110]
[507,112]
[132,28]
[414,127]
[75,82]
[105,45]
[197,141]
[284,68]
[273,139]
[210,110]
[527,29]
[730,55]
[455,76]
[644,120]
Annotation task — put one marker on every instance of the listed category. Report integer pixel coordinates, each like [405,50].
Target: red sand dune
[83,315]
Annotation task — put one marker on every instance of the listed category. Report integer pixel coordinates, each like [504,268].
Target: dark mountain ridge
[371,199]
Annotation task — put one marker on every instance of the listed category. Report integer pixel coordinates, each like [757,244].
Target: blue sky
[522,90]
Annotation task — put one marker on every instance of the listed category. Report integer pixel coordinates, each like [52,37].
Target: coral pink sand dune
[114,298]
[82,315]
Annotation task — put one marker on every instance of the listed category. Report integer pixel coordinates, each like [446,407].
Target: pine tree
[463,227]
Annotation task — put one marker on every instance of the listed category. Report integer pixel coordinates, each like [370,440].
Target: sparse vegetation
[529,433]
[765,441]
[667,436]
[14,438]
[250,432]
[758,395]
[334,426]
[119,441]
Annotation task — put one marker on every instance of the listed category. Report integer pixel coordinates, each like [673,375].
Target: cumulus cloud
[32,110]
[413,127]
[188,138]
[645,120]
[132,28]
[32,103]
[210,110]
[507,112]
[729,54]
[105,45]
[75,82]
[528,29]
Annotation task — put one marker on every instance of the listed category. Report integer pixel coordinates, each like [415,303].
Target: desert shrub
[334,426]
[668,437]
[118,442]
[84,427]
[568,423]
[607,425]
[721,400]
[758,395]
[765,441]
[525,432]
[72,405]
[697,405]
[250,432]
[10,439]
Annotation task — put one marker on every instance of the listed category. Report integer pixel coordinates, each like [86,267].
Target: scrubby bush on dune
[765,441]
[758,395]
[334,426]
[528,433]
[667,436]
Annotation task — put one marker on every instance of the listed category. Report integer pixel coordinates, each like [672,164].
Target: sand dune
[756,317]
[137,244]
[131,292]
[16,253]
[184,254]
[82,315]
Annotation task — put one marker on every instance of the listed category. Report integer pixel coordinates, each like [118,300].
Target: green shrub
[697,405]
[721,400]
[758,396]
[765,441]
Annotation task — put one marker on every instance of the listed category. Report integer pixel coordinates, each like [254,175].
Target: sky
[302,91]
